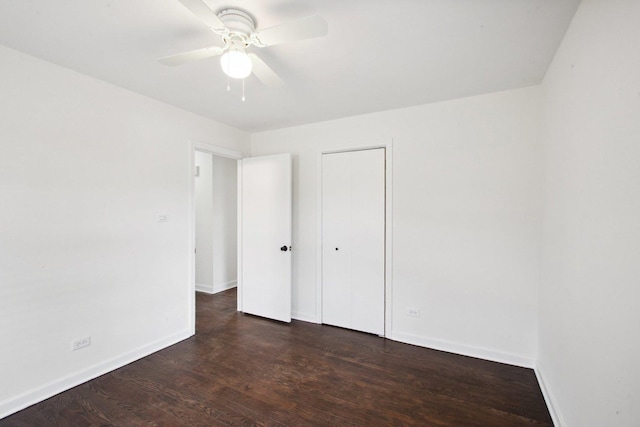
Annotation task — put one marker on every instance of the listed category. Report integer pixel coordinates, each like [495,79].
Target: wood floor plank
[242,370]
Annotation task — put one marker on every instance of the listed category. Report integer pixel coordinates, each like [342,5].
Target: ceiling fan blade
[193,55]
[305,28]
[205,13]
[264,73]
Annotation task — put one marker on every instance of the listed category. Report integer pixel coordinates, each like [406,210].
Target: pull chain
[242,90]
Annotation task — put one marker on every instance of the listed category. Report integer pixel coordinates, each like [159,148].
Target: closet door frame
[387,144]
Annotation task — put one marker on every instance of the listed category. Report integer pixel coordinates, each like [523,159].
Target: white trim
[38,394]
[463,349]
[239,227]
[216,151]
[208,289]
[554,410]
[191,309]
[388,268]
[305,317]
[357,146]
[318,316]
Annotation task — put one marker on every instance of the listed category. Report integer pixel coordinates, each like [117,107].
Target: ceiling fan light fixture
[236,64]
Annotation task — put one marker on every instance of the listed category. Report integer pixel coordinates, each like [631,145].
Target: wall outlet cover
[80,343]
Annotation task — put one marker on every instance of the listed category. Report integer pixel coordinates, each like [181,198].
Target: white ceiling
[379,54]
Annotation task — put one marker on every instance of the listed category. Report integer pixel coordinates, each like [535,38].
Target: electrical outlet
[80,343]
[413,312]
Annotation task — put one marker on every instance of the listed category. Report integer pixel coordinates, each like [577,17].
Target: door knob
[284,248]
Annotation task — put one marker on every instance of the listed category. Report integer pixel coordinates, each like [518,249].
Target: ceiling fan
[238,32]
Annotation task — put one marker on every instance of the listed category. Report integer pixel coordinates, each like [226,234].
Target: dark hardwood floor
[244,370]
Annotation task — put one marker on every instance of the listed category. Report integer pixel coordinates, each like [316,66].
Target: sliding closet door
[353,245]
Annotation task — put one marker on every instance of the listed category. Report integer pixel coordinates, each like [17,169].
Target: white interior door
[353,240]
[266,236]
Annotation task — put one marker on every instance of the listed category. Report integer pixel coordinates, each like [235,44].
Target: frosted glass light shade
[236,64]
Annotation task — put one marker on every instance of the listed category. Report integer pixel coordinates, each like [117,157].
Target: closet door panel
[336,242]
[367,236]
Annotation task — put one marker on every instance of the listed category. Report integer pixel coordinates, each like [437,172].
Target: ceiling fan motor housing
[239,25]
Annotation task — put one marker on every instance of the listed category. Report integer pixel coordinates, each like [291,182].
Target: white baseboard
[207,289]
[225,286]
[17,403]
[556,416]
[311,318]
[465,350]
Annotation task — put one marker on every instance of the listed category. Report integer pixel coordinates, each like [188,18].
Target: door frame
[216,151]
[387,144]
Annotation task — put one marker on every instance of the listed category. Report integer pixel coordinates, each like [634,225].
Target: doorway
[216,222]
[213,220]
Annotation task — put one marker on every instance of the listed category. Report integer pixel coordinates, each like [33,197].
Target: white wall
[204,221]
[590,285]
[225,223]
[85,167]
[465,218]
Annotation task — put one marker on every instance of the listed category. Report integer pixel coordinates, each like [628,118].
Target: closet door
[353,245]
